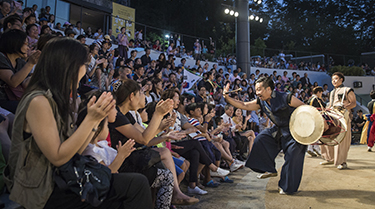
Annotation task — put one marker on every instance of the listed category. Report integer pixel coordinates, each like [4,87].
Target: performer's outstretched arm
[294,102]
[252,105]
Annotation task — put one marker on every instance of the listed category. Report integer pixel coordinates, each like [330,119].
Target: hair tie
[117,85]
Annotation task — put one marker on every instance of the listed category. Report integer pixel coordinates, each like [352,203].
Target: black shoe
[239,157]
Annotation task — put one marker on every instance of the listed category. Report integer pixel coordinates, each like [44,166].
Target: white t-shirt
[102,152]
[149,99]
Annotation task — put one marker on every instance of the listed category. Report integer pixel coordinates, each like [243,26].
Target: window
[63,12]
[30,3]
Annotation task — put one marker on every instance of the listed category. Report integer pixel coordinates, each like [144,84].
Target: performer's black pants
[263,154]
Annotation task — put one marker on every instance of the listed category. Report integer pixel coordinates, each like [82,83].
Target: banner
[190,81]
[123,16]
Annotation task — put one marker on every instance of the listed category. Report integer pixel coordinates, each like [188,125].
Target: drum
[308,125]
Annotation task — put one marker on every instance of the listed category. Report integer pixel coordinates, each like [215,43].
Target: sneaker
[342,166]
[281,191]
[196,190]
[239,162]
[234,167]
[369,149]
[311,153]
[266,175]
[326,163]
[219,173]
[317,152]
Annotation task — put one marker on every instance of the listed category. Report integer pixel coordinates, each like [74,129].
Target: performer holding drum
[278,107]
[317,102]
[343,100]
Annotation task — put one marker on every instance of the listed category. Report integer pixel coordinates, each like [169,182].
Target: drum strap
[331,97]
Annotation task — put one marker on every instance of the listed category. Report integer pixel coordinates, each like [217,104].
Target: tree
[258,47]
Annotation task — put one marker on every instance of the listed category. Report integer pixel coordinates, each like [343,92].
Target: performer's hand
[226,89]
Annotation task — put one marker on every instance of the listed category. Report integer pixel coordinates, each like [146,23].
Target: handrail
[360,98]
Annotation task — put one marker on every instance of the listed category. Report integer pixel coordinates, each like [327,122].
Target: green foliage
[153,37]
[325,27]
[290,45]
[258,48]
[227,47]
[347,71]
[226,41]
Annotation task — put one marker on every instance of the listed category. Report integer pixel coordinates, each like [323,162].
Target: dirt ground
[322,187]
[328,187]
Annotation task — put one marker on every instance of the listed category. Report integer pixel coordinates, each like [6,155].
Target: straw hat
[306,124]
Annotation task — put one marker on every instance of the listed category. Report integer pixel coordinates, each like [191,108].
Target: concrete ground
[321,187]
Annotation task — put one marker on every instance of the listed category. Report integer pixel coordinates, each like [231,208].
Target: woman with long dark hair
[161,61]
[43,136]
[130,97]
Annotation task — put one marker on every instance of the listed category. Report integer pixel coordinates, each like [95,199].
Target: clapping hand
[98,110]
[175,135]
[163,107]
[126,149]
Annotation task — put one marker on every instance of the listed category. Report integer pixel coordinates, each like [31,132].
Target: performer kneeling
[278,107]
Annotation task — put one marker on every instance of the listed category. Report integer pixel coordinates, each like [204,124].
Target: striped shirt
[194,122]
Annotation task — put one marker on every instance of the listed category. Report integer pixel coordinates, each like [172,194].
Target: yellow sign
[123,16]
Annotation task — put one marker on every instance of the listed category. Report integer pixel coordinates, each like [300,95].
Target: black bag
[141,160]
[86,177]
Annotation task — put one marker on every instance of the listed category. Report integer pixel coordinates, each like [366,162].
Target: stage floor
[321,187]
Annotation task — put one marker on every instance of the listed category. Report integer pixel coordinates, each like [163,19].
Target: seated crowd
[151,128]
[131,114]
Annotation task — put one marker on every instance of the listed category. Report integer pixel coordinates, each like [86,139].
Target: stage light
[226,11]
[236,14]
[231,12]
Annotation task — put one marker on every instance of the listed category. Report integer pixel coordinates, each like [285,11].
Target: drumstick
[325,112]
[239,89]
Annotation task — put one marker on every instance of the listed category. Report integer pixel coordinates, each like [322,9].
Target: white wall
[367,83]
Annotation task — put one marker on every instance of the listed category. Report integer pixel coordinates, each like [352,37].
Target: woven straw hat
[306,125]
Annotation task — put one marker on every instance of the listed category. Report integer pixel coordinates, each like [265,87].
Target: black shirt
[314,101]
[116,136]
[145,60]
[371,107]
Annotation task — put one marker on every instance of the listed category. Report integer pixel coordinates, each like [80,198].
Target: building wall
[367,83]
[101,3]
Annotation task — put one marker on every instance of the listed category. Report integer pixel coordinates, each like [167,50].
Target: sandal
[211,184]
[226,180]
